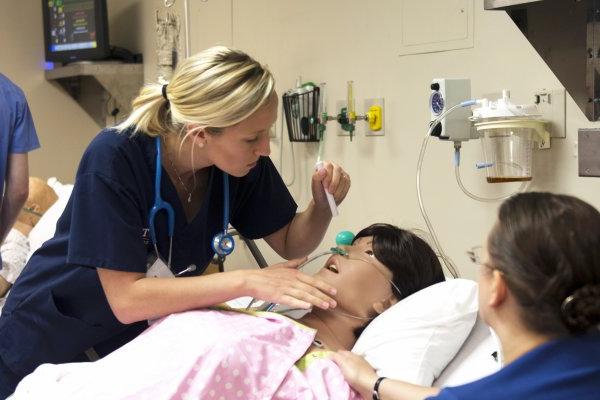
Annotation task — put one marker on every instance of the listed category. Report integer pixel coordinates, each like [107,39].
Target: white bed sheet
[478,357]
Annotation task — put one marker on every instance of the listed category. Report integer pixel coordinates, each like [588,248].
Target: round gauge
[436,102]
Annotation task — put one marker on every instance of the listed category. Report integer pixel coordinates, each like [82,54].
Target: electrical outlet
[551,104]
[368,104]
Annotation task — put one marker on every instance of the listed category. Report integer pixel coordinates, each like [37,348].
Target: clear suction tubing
[450,266]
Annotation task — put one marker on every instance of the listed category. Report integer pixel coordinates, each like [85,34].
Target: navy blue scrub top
[57,309]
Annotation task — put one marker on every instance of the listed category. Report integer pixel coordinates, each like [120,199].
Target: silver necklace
[189,192]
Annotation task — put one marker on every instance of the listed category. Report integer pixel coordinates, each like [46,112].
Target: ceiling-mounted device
[566,34]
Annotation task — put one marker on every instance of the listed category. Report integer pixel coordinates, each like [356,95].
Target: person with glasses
[262,351]
[539,290]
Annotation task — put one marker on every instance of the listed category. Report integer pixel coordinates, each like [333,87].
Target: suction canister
[508,132]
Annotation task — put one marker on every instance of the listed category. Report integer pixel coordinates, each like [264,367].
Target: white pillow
[479,356]
[61,189]
[415,339]
[46,226]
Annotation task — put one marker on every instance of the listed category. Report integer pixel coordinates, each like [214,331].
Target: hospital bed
[431,338]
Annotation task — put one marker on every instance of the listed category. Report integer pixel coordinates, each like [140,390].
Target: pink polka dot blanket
[203,354]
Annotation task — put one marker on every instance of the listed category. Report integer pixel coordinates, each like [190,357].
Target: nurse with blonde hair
[200,144]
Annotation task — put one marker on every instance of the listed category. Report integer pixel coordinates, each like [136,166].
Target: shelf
[505,4]
[566,35]
[100,87]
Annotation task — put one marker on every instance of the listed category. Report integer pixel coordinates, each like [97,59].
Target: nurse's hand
[359,374]
[362,377]
[284,284]
[333,179]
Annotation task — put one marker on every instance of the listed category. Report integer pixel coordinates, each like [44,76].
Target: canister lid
[504,108]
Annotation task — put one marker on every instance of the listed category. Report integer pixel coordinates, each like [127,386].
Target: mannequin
[16,246]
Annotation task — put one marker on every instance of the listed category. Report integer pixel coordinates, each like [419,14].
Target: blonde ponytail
[214,89]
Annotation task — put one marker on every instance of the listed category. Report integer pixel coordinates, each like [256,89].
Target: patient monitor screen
[72,25]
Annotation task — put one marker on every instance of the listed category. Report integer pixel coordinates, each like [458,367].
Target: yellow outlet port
[374,118]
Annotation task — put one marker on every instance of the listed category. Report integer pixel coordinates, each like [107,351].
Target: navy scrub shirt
[57,309]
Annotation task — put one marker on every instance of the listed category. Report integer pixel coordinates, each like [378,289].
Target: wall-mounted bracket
[551,104]
[589,152]
[94,84]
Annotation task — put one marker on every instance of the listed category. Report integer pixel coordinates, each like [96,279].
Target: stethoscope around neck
[222,243]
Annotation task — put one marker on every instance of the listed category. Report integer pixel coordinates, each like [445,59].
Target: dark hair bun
[581,310]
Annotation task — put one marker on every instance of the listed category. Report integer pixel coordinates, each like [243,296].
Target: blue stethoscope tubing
[160,204]
[222,243]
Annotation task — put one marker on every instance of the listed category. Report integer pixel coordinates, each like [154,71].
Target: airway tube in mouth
[333,268]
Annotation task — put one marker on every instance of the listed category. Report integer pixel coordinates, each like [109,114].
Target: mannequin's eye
[370,253]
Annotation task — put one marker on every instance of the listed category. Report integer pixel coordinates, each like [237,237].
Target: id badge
[158,269]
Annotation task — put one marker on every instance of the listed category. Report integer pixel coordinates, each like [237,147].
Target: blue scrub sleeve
[24,135]
[106,225]
[263,204]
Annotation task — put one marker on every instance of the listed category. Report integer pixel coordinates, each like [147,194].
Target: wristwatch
[376,388]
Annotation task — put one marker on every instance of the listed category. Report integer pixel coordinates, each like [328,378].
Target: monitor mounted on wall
[75,30]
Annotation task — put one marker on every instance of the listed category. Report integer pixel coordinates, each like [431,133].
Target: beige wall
[340,40]
[332,41]
[64,128]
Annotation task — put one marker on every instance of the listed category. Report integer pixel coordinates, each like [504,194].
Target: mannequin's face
[360,279]
[40,199]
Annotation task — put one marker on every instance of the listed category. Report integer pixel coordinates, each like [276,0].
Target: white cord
[186,13]
[450,266]
[281,153]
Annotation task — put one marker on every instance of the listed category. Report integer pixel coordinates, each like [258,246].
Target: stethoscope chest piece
[223,244]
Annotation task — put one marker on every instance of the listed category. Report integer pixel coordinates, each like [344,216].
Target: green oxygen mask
[344,238]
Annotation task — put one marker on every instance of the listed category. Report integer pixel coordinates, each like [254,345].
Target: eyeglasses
[477,255]
[353,253]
